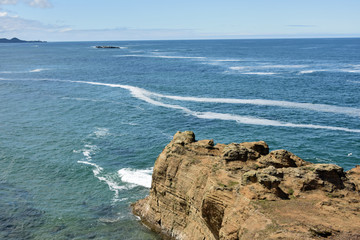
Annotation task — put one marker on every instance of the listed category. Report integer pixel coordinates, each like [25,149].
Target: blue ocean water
[80,127]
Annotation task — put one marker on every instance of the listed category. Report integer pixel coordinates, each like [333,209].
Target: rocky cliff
[242,191]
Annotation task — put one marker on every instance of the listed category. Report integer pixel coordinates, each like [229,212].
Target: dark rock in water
[16,40]
[107,47]
[243,191]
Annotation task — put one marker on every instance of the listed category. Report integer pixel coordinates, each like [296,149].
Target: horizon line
[207,39]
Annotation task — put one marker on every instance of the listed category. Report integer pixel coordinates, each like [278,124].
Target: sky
[109,20]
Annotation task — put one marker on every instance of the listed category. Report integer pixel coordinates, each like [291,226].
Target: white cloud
[65,30]
[8,2]
[40,3]
[31,3]
[14,26]
[3,14]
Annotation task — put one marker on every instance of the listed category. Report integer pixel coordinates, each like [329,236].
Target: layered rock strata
[242,191]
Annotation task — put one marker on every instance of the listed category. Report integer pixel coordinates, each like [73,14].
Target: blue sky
[94,20]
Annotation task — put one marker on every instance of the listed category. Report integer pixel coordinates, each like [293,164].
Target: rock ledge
[241,191]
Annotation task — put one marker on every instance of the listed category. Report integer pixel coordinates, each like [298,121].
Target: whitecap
[351,70]
[354,81]
[158,56]
[101,132]
[227,60]
[259,73]
[237,68]
[37,70]
[88,151]
[129,123]
[308,71]
[179,57]
[141,177]
[130,55]
[283,66]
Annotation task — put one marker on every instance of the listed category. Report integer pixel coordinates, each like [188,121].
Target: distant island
[16,40]
[107,47]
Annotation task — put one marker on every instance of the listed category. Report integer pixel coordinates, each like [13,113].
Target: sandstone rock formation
[241,191]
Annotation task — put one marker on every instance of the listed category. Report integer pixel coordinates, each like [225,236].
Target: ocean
[81,127]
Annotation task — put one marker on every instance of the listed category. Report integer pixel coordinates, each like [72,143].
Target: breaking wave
[136,176]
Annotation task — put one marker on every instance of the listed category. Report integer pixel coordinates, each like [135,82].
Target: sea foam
[283,66]
[110,181]
[237,68]
[159,56]
[354,81]
[259,73]
[227,60]
[101,132]
[351,70]
[136,176]
[145,95]
[310,71]
[37,70]
[266,102]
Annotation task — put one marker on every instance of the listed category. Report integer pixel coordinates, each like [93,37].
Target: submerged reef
[242,191]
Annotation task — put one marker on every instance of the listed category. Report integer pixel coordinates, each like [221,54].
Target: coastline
[243,191]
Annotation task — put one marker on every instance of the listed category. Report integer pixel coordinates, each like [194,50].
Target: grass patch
[290,191]
[215,167]
[232,183]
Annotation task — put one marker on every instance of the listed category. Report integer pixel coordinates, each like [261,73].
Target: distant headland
[16,40]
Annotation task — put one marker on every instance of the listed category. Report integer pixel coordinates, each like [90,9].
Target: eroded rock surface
[241,191]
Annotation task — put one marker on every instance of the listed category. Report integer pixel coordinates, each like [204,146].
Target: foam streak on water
[265,102]
[159,56]
[98,173]
[145,96]
[94,124]
[142,94]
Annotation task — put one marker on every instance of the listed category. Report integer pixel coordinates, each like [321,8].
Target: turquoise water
[80,127]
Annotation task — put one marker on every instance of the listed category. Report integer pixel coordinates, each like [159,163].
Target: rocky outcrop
[241,191]
[106,47]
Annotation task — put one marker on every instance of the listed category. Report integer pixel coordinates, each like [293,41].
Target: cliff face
[241,191]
